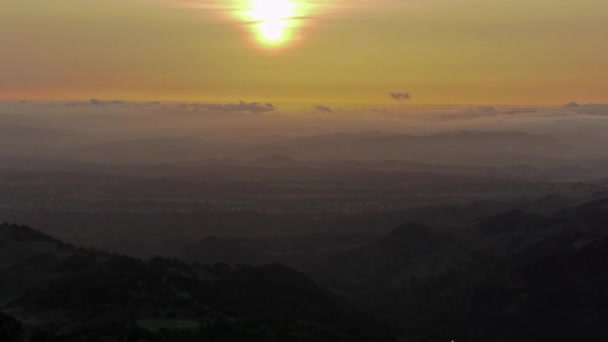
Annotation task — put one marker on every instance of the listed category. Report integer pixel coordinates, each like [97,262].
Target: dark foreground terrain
[58,292]
[520,275]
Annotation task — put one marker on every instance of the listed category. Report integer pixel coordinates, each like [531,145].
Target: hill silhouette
[71,293]
[550,288]
[408,254]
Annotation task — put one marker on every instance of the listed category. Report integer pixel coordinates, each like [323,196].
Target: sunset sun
[272,20]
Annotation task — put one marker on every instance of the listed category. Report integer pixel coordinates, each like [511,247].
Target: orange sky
[441,51]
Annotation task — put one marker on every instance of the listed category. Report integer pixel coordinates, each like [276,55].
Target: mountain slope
[409,254]
[68,292]
[554,287]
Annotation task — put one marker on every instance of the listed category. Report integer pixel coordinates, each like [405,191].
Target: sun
[276,23]
[272,19]
[271,10]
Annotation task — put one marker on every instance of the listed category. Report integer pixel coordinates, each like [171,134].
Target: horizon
[308,103]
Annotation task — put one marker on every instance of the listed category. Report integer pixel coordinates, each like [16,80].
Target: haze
[312,171]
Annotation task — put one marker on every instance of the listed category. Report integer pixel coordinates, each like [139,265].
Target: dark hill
[552,288]
[408,254]
[231,251]
[10,329]
[509,232]
[71,293]
[591,217]
[509,222]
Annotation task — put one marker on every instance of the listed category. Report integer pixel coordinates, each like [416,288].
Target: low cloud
[471,113]
[240,107]
[323,108]
[482,112]
[599,109]
[97,102]
[485,110]
[396,95]
[521,111]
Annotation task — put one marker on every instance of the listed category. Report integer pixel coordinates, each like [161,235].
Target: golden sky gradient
[441,51]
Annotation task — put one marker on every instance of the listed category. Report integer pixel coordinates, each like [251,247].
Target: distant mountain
[25,141]
[151,150]
[278,160]
[71,293]
[468,137]
[454,148]
[21,135]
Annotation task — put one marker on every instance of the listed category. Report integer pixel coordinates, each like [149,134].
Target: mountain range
[75,294]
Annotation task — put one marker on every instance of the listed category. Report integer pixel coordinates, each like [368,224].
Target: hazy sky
[331,51]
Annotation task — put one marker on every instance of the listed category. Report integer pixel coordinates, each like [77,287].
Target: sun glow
[273,20]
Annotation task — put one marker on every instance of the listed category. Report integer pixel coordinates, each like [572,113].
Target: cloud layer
[240,107]
[323,108]
[599,109]
[396,95]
